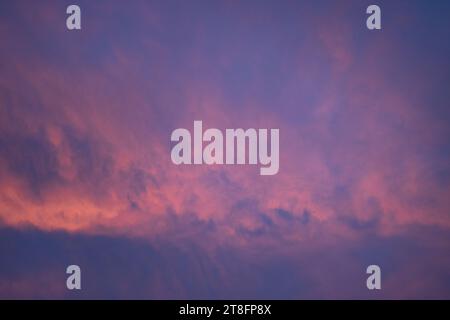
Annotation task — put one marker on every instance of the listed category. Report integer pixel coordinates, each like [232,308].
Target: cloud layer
[86,118]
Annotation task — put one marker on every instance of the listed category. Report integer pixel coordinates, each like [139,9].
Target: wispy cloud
[85,123]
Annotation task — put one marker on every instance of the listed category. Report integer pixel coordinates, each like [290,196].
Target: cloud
[85,122]
[125,268]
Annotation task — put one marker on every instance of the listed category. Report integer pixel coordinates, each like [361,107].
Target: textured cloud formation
[86,117]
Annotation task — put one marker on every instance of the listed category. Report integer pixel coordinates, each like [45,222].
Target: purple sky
[86,176]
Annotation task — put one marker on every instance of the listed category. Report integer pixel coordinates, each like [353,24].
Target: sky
[86,176]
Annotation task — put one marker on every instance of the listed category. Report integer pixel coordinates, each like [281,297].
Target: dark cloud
[32,158]
[136,268]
